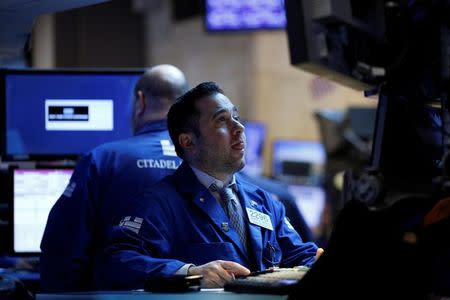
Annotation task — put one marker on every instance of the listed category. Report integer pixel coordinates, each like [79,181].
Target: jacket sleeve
[295,252]
[138,248]
[65,251]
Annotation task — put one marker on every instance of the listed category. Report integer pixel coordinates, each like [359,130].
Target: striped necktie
[233,210]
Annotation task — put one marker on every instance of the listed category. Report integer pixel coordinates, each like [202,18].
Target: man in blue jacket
[105,179]
[188,223]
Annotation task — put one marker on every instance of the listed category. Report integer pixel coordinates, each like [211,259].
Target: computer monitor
[370,42]
[256,133]
[34,192]
[339,39]
[223,15]
[311,202]
[55,114]
[298,161]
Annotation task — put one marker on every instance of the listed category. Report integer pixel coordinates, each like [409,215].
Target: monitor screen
[311,202]
[256,134]
[221,15]
[298,161]
[63,113]
[35,191]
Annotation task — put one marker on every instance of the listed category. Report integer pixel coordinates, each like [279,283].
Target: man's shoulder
[140,145]
[160,192]
[124,143]
[162,186]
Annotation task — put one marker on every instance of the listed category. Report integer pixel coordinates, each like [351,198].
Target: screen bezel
[11,231]
[65,71]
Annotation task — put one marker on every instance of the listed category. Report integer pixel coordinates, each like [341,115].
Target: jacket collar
[159,125]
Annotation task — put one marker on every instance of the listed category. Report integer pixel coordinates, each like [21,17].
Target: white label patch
[259,218]
[69,189]
[133,224]
[167,148]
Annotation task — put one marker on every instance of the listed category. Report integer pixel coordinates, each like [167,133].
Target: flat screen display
[63,113]
[299,162]
[310,201]
[35,191]
[225,15]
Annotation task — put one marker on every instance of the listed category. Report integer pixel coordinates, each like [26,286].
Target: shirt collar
[159,125]
[207,179]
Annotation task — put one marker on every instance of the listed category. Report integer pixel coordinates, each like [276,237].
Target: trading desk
[140,295]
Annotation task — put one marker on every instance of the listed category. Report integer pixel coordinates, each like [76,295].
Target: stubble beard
[219,164]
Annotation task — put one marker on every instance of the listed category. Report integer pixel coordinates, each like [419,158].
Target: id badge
[259,218]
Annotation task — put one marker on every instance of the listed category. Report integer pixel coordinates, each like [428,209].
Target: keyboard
[277,281]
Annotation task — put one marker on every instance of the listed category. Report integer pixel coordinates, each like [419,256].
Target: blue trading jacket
[178,221]
[103,182]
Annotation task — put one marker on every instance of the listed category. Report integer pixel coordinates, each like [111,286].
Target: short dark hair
[183,116]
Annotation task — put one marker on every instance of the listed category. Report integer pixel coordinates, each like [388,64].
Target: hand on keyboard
[217,273]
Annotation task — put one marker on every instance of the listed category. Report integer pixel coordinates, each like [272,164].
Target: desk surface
[138,295]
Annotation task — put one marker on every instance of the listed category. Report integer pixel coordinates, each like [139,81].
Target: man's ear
[186,141]
[140,104]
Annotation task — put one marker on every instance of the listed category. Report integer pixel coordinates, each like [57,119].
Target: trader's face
[220,148]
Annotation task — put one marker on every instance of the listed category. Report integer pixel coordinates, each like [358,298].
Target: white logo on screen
[79,114]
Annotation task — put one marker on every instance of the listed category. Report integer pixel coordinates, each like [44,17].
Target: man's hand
[218,272]
[319,253]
